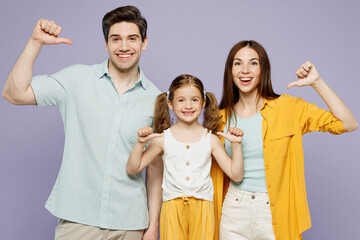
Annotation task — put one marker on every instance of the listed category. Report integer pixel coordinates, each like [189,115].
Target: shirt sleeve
[51,90]
[313,118]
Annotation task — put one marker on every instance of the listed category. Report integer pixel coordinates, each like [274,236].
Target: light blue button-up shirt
[93,187]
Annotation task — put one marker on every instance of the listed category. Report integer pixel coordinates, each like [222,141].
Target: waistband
[245,195]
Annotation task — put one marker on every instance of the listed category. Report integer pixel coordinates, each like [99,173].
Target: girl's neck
[187,133]
[248,105]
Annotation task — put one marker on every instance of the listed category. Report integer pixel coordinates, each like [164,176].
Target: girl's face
[187,104]
[246,70]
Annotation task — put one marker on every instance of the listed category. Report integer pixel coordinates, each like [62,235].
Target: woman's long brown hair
[231,93]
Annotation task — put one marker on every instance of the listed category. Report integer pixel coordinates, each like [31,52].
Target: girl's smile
[187,104]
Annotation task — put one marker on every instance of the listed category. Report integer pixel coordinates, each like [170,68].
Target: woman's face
[246,70]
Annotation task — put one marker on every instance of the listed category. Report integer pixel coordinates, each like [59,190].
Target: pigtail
[212,119]
[161,114]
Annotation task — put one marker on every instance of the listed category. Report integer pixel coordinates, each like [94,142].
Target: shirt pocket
[280,141]
[136,122]
[282,133]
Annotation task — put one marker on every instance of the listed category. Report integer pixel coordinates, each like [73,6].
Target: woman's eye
[237,63]
[254,63]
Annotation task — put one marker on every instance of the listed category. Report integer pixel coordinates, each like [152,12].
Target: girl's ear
[170,105]
[204,103]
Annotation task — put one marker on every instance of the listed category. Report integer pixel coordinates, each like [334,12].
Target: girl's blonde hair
[162,121]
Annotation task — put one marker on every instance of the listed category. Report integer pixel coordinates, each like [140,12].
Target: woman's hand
[307,74]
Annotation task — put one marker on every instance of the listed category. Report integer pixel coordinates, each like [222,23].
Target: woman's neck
[248,105]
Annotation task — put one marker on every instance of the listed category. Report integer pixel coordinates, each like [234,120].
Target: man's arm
[17,89]
[154,175]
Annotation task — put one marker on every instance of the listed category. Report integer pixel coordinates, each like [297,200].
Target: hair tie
[204,95]
[167,95]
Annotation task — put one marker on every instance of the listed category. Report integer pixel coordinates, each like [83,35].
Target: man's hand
[46,33]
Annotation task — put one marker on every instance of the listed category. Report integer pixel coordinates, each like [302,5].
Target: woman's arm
[309,76]
[138,158]
[234,167]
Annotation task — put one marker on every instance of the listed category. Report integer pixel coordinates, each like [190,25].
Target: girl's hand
[234,135]
[145,134]
[307,74]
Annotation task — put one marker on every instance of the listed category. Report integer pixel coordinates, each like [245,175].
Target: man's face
[124,46]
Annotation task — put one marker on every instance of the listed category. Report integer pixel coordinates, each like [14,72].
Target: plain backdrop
[185,37]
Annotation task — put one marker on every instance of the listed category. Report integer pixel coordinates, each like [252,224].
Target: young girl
[187,210]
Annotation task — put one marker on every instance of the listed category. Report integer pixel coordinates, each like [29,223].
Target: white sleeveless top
[187,168]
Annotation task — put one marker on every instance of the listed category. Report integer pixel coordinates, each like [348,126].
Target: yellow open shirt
[285,120]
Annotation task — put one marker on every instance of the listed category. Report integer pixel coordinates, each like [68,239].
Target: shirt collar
[268,102]
[104,71]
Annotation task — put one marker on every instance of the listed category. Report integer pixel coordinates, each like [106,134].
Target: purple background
[185,37]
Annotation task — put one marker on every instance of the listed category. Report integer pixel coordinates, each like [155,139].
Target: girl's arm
[309,76]
[138,158]
[234,167]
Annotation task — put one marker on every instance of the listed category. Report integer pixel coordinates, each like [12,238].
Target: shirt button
[187,147]
[104,198]
[187,179]
[272,204]
[187,163]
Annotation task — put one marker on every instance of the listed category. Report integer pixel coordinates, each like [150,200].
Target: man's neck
[124,80]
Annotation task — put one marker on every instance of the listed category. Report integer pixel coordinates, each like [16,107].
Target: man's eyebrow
[134,35]
[118,35]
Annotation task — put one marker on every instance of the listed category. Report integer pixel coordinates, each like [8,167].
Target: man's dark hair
[124,14]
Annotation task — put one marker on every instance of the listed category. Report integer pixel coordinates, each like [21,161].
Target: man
[102,106]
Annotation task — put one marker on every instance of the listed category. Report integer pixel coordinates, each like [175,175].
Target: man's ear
[106,46]
[144,44]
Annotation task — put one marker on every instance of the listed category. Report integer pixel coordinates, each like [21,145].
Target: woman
[270,202]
